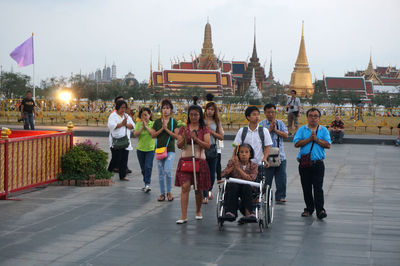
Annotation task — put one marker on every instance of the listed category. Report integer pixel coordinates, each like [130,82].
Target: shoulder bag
[162,152]
[274,157]
[305,159]
[121,143]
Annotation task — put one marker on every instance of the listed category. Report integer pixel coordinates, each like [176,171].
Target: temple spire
[301,80]
[302,56]
[207,59]
[270,75]
[254,55]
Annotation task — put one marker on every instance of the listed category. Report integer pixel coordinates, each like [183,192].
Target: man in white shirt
[293,109]
[257,136]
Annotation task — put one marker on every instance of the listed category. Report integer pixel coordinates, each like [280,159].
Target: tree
[337,97]
[14,84]
[317,98]
[353,98]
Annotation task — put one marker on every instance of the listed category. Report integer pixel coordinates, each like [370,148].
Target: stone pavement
[120,225]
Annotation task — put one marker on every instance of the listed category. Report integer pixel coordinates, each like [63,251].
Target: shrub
[84,159]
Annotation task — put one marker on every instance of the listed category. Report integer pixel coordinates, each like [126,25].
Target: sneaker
[322,214]
[147,189]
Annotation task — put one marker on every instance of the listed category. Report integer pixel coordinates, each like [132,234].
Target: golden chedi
[300,80]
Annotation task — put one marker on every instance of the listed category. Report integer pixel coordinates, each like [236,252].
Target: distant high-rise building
[91,76]
[97,75]
[104,76]
[113,71]
[108,74]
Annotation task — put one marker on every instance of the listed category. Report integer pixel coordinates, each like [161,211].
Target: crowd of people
[259,153]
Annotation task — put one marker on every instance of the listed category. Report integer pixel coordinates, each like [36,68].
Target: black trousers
[235,191]
[119,159]
[312,179]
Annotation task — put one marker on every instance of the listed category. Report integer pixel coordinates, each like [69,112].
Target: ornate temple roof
[207,58]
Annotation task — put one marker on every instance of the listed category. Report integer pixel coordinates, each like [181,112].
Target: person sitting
[337,130]
[240,167]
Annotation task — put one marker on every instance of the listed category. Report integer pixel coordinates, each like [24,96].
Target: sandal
[169,196]
[205,201]
[161,197]
[305,214]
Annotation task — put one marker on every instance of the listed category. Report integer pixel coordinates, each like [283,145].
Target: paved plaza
[121,225]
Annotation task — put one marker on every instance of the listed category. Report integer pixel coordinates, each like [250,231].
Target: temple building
[380,76]
[204,71]
[254,64]
[300,80]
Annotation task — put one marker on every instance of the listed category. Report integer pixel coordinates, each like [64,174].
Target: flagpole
[33,68]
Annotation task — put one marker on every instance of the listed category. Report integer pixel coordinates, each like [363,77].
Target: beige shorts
[292,118]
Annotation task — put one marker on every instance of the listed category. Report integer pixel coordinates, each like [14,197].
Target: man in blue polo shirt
[315,138]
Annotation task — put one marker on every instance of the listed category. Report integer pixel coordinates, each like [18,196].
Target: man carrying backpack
[257,136]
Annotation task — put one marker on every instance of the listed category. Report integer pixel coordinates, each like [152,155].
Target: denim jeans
[337,136]
[165,172]
[145,159]
[28,121]
[212,165]
[280,179]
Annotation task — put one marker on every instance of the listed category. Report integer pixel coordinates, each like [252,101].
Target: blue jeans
[146,165]
[212,165]
[28,121]
[165,172]
[280,179]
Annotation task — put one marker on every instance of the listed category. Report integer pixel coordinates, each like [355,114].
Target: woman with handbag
[198,133]
[165,130]
[120,125]
[216,133]
[145,146]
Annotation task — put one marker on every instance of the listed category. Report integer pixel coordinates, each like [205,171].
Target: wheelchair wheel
[220,206]
[261,225]
[269,204]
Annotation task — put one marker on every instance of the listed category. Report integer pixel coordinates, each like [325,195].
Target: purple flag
[23,54]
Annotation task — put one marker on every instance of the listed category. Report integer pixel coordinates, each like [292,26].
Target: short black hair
[167,102]
[248,146]
[118,98]
[250,109]
[293,91]
[269,105]
[313,109]
[29,92]
[144,109]
[119,103]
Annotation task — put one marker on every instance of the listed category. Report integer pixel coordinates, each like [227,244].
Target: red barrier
[31,158]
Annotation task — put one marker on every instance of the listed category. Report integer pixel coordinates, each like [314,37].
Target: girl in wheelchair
[240,167]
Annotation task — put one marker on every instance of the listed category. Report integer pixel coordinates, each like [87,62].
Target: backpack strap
[244,134]
[262,137]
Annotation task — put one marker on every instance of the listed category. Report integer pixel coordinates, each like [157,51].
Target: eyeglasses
[194,114]
[313,116]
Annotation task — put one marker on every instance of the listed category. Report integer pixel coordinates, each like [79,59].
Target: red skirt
[202,177]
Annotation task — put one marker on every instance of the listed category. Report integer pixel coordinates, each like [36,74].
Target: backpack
[260,133]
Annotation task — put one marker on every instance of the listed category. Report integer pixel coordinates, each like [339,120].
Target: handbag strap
[316,132]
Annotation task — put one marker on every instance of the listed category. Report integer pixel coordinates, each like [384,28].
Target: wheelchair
[263,202]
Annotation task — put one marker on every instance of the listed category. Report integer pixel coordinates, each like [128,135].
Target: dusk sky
[72,36]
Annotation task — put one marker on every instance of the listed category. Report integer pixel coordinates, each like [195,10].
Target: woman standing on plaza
[196,131]
[216,133]
[145,146]
[165,130]
[120,125]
